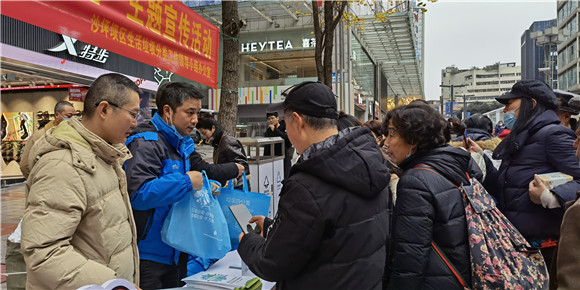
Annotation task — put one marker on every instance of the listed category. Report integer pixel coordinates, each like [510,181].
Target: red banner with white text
[164,34]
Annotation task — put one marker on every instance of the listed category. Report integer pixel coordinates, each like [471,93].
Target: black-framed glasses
[135,115]
[391,132]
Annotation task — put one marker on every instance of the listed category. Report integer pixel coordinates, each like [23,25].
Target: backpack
[501,258]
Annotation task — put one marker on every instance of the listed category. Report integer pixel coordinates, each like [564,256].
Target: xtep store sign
[88,51]
[164,34]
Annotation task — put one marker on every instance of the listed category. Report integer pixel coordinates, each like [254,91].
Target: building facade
[568,48]
[478,84]
[372,66]
[539,57]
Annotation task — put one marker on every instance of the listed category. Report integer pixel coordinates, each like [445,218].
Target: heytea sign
[271,45]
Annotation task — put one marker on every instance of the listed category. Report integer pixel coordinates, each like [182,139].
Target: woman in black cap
[537,144]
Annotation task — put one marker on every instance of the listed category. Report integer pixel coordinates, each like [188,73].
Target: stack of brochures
[204,280]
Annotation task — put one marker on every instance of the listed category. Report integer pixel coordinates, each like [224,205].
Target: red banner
[164,34]
[40,87]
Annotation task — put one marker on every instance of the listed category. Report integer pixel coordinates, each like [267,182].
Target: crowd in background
[357,210]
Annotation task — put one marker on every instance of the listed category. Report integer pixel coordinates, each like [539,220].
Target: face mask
[170,123]
[66,119]
[509,119]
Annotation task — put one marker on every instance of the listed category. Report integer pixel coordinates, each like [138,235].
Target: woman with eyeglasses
[226,148]
[429,208]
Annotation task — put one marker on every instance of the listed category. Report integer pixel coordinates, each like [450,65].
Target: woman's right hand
[259,220]
[472,146]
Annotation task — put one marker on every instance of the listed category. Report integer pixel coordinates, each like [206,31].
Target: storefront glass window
[363,78]
[277,57]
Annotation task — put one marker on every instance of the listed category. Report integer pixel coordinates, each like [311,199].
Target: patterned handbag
[501,258]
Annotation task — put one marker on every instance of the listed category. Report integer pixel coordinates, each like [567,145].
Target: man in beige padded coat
[78,228]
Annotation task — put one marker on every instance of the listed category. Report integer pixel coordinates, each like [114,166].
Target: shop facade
[277,48]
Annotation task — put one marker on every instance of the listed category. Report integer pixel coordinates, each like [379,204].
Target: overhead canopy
[395,46]
[270,11]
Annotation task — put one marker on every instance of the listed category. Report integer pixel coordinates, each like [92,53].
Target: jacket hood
[448,161]
[351,159]
[183,144]
[85,146]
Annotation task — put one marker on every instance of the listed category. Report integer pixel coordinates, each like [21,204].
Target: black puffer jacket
[332,224]
[544,147]
[228,149]
[430,208]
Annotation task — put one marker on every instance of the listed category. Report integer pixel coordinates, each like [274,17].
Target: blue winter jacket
[545,147]
[156,179]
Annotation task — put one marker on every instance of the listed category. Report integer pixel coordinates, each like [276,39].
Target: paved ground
[12,207]
[12,199]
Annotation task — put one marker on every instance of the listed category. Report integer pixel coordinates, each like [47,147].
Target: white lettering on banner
[272,45]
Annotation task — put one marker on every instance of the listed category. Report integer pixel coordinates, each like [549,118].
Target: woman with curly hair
[225,147]
[429,207]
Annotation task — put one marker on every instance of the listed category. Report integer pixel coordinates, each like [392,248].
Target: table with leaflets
[227,274]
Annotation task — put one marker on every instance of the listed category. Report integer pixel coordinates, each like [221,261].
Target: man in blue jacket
[159,175]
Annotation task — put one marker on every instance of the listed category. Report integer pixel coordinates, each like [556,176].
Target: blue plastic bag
[196,225]
[257,204]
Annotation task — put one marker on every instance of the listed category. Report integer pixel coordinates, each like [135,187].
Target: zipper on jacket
[148,225]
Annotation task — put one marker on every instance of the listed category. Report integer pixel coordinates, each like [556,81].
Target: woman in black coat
[225,147]
[429,207]
[537,144]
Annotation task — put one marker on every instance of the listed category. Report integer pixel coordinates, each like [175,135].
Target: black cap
[563,101]
[309,98]
[531,89]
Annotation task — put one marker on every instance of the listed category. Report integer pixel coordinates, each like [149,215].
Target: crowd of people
[356,211]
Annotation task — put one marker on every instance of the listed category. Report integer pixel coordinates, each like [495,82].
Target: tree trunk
[324,33]
[228,109]
[328,42]
[319,36]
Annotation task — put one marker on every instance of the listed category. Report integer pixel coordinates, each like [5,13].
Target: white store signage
[271,45]
[88,51]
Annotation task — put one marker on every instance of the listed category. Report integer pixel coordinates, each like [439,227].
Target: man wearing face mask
[158,176]
[537,144]
[63,111]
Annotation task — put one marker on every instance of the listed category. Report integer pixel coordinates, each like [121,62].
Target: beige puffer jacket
[77,228]
[24,168]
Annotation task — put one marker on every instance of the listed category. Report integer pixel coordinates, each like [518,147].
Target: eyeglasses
[135,115]
[391,132]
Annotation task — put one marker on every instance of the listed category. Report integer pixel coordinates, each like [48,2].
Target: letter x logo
[67,44]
